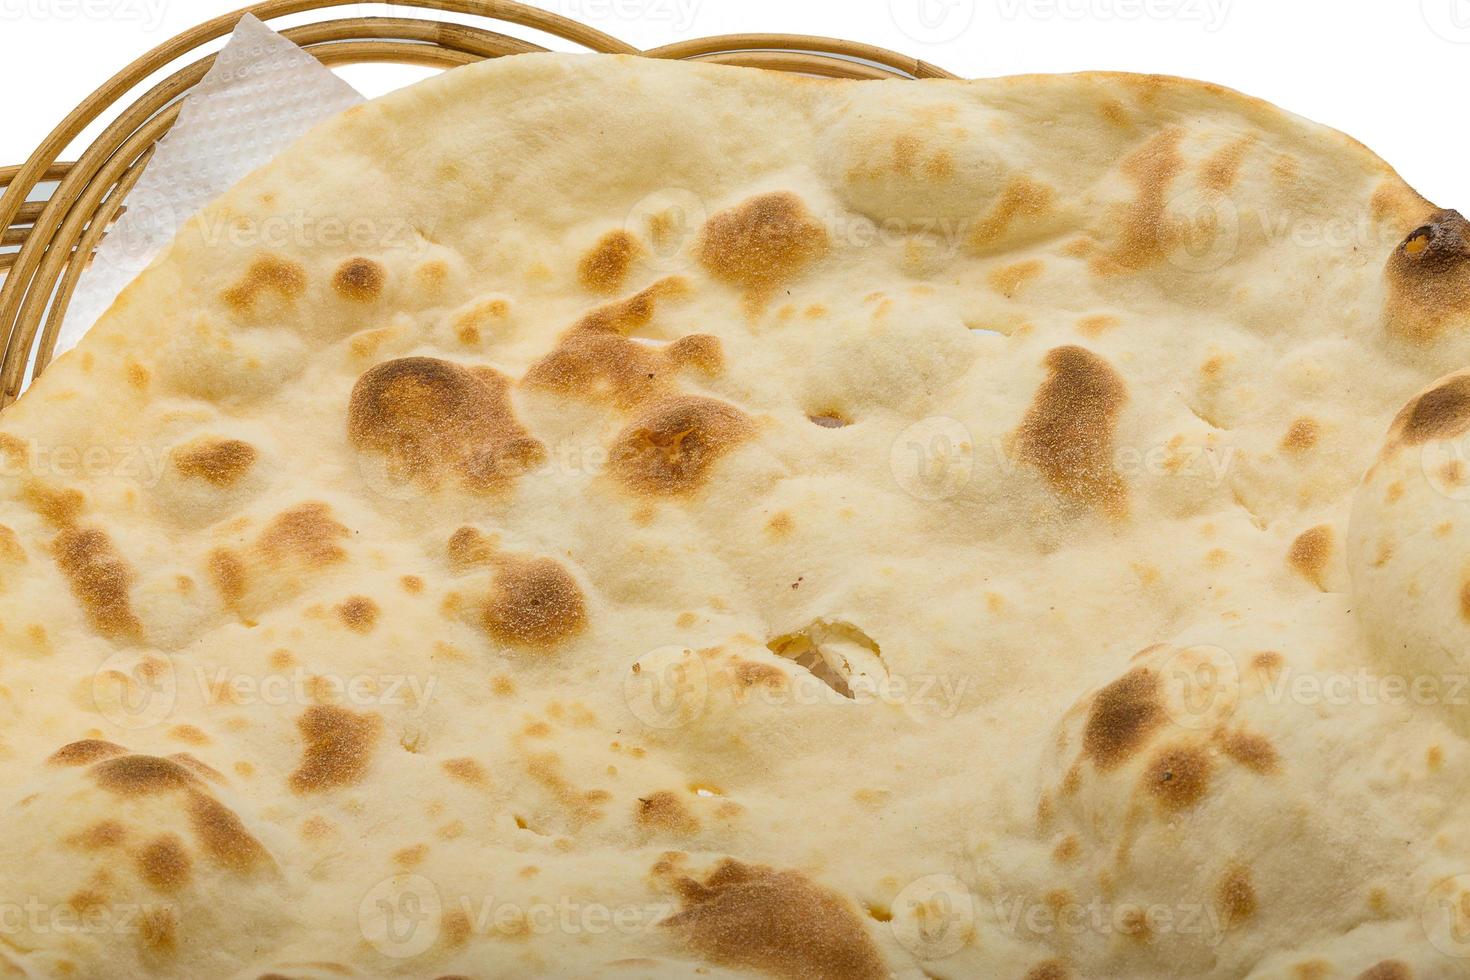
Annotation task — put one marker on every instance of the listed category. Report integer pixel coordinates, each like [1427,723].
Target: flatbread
[596,517]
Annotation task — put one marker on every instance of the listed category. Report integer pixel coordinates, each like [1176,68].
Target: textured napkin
[261,95]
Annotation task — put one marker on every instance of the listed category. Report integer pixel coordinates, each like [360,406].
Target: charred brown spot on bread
[360,280]
[1387,970]
[670,448]
[430,417]
[219,462]
[158,931]
[1221,169]
[1235,896]
[666,811]
[85,752]
[1428,278]
[1068,432]
[1145,236]
[761,244]
[227,572]
[58,506]
[1123,716]
[142,775]
[1442,412]
[358,613]
[777,922]
[338,748]
[535,603]
[1255,752]
[223,837]
[1008,279]
[1049,970]
[1301,435]
[164,863]
[469,546]
[1023,199]
[99,836]
[604,268]
[598,359]
[306,534]
[1179,777]
[467,770]
[267,274]
[1310,552]
[100,580]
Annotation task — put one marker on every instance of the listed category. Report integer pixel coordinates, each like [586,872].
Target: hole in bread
[830,419]
[838,654]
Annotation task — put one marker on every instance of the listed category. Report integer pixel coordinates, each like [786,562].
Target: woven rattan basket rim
[53,239]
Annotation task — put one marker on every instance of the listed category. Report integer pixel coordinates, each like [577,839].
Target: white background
[1393,73]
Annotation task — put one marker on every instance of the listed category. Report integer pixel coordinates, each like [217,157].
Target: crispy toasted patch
[223,837]
[431,418]
[761,244]
[1008,279]
[227,572]
[358,613]
[306,534]
[164,863]
[1022,198]
[142,775]
[1068,432]
[1123,716]
[1179,777]
[360,280]
[1387,970]
[1310,552]
[1301,435]
[99,836]
[1144,236]
[1442,412]
[604,268]
[339,747]
[219,462]
[535,603]
[597,359]
[1049,970]
[85,752]
[1221,169]
[1255,752]
[59,507]
[665,811]
[100,580]
[1428,278]
[777,922]
[267,274]
[1235,896]
[670,448]
[467,770]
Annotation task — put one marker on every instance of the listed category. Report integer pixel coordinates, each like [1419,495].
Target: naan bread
[594,517]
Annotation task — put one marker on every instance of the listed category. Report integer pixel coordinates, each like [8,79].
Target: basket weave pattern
[57,235]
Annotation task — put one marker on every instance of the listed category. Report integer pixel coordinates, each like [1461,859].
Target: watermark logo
[1203,684]
[667,687]
[932,21]
[1449,19]
[933,459]
[401,916]
[135,693]
[1210,15]
[1445,916]
[934,917]
[668,220]
[1445,464]
[1030,915]
[147,13]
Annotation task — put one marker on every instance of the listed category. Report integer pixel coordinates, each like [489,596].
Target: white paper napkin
[261,95]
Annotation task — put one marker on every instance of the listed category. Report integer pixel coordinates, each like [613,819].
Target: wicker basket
[56,236]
